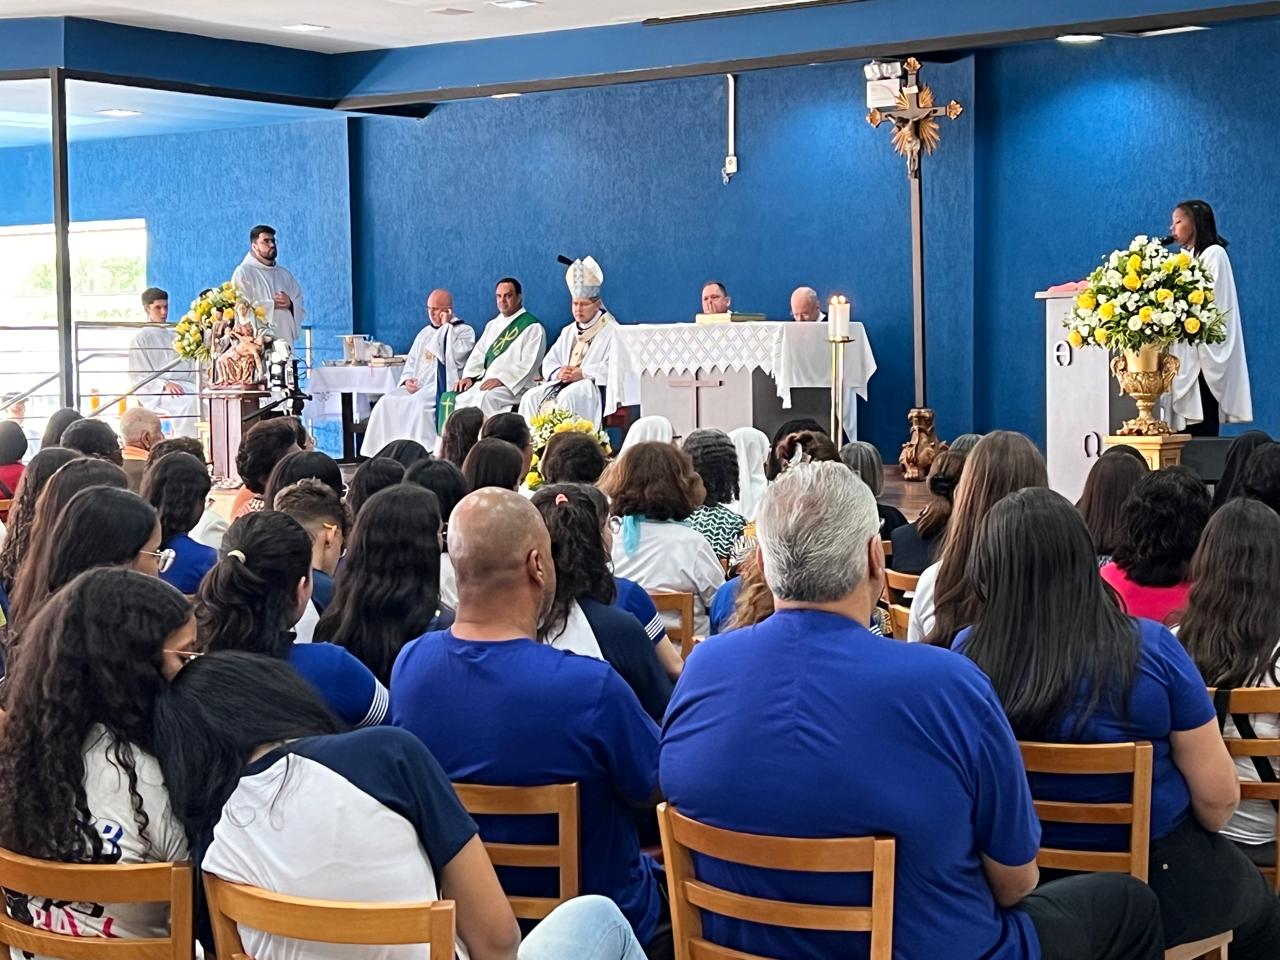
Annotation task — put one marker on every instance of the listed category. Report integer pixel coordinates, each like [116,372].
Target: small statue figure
[923,448]
[238,345]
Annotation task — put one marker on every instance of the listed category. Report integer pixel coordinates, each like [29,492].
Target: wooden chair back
[1093,759]
[1257,700]
[564,855]
[898,585]
[899,618]
[324,921]
[887,546]
[681,604]
[681,837]
[169,883]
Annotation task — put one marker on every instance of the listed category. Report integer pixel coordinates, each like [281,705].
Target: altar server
[505,361]
[173,395]
[1212,383]
[269,286]
[436,359]
[577,364]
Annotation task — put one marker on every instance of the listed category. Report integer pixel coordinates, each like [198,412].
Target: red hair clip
[561,499]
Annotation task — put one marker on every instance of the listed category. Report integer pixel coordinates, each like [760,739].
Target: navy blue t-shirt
[1168,694]
[352,692]
[191,561]
[808,725]
[520,713]
[632,598]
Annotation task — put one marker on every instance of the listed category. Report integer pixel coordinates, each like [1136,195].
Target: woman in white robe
[752,447]
[648,429]
[1212,384]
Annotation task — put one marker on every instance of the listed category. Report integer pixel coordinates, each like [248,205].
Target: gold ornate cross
[913,119]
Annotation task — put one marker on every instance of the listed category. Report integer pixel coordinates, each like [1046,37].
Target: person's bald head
[439,307]
[139,427]
[805,305]
[501,555]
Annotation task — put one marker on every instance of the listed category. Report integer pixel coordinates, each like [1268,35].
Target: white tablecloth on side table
[794,354]
[327,384]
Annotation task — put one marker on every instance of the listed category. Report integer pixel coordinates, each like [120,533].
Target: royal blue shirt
[808,725]
[350,689]
[632,598]
[191,561]
[722,605]
[1167,694]
[520,713]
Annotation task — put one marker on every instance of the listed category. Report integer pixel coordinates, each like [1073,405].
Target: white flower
[1135,323]
[1113,278]
[1139,241]
[1085,331]
[1166,319]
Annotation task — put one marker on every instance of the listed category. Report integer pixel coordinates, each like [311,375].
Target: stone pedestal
[1159,452]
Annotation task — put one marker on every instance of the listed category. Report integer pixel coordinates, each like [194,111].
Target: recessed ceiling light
[452,12]
[1167,31]
[116,113]
[1080,38]
[514,4]
[502,96]
[305,27]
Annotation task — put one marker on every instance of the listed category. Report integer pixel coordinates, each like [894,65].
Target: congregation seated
[257,591]
[653,488]
[514,429]
[325,519]
[583,618]
[716,462]
[93,438]
[998,464]
[13,447]
[446,481]
[1261,480]
[1164,516]
[965,442]
[494,463]
[265,444]
[177,486]
[773,466]
[140,430]
[495,706]
[1238,454]
[241,734]
[843,734]
[804,446]
[1070,666]
[56,425]
[460,433]
[572,457]
[1102,503]
[753,450]
[916,545]
[388,589]
[864,459]
[212,525]
[303,465]
[370,477]
[79,780]
[404,452]
[22,515]
[1232,631]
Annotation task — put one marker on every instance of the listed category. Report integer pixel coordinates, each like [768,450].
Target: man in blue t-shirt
[494,706]
[807,725]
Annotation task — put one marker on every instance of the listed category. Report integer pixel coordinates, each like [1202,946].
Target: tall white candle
[838,318]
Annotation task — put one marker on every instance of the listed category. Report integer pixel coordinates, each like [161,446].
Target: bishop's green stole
[448,399]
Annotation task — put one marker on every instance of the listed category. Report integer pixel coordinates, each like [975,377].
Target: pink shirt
[1162,604]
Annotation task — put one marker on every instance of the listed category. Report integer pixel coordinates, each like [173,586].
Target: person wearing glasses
[177,486]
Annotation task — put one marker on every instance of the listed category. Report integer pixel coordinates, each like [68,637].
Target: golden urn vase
[1145,374]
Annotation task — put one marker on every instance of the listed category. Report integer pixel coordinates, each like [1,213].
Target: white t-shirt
[671,556]
[1254,821]
[577,635]
[921,620]
[448,583]
[106,788]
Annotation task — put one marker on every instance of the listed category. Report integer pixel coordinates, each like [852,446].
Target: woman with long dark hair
[572,457]
[254,595]
[303,465]
[582,618]
[56,425]
[916,544]
[1212,382]
[1261,478]
[494,463]
[446,481]
[100,527]
[1233,467]
[388,590]
[1000,463]
[13,447]
[177,486]
[1164,516]
[1070,667]
[79,782]
[461,431]
[21,517]
[1232,631]
[405,452]
[240,734]
[512,428]
[1110,481]
[370,477]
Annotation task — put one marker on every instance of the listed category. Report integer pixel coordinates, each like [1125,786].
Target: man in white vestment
[436,359]
[266,285]
[174,395]
[505,362]
[576,365]
[806,307]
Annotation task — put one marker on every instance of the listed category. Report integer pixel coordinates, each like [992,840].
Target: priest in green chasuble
[505,361]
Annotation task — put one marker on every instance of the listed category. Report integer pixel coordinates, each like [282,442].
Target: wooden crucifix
[916,128]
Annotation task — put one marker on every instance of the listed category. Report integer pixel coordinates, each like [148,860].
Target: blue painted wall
[1082,148]
[631,174]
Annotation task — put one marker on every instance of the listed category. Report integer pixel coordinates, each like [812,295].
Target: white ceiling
[368,24]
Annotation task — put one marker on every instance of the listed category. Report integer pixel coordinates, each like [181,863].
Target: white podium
[1083,403]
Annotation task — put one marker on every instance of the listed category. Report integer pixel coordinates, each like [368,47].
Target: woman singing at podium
[1212,384]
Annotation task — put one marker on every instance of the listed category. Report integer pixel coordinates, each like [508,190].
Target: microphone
[565,260]
[1168,241]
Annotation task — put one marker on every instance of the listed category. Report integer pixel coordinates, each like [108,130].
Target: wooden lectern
[227,412]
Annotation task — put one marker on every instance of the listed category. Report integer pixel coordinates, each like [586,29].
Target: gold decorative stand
[837,389]
[1145,374]
[1160,451]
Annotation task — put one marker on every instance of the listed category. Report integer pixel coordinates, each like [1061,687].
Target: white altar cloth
[326,384]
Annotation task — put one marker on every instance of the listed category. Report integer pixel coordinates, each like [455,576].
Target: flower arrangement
[196,330]
[546,425]
[1146,296]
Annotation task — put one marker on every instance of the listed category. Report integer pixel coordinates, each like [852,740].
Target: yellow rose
[1086,301]
[260,312]
[1196,297]
[1208,296]
[1075,339]
[1145,314]
[1184,260]
[1135,263]
[1164,296]
[1191,324]
[532,480]
[1101,336]
[1169,265]
[228,286]
[228,314]
[1107,310]
[1131,281]
[534,460]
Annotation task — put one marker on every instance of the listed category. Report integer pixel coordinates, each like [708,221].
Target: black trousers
[1210,425]
[1098,916]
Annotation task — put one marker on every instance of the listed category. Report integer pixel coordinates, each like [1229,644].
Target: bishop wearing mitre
[505,361]
[576,366]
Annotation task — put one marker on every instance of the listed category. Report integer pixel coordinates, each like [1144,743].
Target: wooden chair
[689,896]
[1257,700]
[899,618]
[887,545]
[324,921]
[1092,759]
[558,798]
[899,585]
[169,883]
[682,604]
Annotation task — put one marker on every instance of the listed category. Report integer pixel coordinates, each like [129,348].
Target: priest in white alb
[435,360]
[167,387]
[265,284]
[576,365]
[504,363]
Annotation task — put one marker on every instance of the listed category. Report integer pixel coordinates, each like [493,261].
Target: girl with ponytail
[916,545]
[254,595]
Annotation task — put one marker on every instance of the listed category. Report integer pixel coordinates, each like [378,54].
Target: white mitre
[585,278]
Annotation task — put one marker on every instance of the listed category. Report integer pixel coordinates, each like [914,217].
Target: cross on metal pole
[916,128]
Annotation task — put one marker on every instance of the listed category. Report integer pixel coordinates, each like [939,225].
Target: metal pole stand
[837,388]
